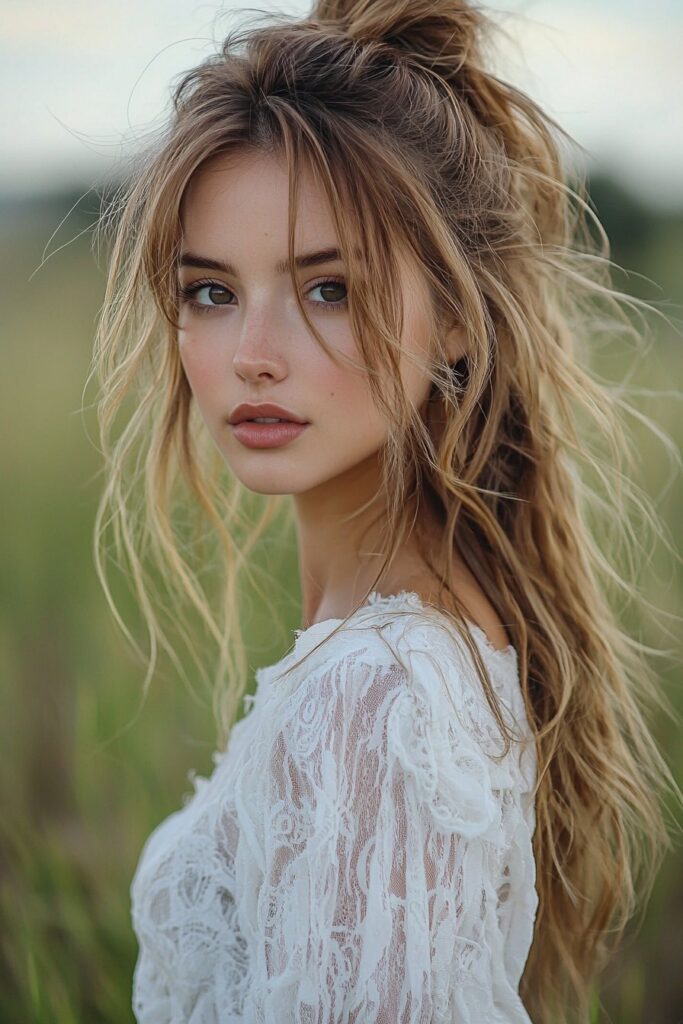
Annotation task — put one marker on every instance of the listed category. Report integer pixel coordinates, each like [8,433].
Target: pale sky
[82,79]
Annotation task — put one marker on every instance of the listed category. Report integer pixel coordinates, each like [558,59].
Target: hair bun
[442,35]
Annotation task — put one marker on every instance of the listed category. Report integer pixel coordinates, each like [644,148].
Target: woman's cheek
[199,362]
[355,413]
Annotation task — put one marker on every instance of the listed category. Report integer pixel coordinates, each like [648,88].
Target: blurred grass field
[84,780]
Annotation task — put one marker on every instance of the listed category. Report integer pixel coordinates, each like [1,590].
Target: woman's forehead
[246,177]
[240,199]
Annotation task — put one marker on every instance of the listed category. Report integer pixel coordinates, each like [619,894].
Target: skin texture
[253,345]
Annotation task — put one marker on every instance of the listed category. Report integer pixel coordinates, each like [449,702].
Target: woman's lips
[267,435]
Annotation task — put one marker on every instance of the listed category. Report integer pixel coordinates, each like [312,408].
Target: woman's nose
[259,343]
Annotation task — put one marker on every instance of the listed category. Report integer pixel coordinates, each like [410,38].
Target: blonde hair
[418,146]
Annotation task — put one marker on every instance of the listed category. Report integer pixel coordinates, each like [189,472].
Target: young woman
[349,278]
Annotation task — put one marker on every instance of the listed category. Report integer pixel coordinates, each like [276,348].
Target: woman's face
[248,341]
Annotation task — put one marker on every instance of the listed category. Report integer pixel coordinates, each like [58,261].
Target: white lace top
[355,856]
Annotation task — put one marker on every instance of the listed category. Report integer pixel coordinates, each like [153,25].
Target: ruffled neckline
[504,658]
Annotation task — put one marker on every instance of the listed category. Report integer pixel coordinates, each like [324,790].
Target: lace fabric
[356,855]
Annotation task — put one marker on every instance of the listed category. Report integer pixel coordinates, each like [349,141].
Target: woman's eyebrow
[308,259]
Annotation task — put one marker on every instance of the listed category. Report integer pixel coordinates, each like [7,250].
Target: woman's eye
[218,295]
[330,301]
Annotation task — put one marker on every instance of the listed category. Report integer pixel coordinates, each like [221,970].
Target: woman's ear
[456,343]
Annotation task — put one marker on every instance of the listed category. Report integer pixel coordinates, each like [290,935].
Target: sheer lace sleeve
[384,846]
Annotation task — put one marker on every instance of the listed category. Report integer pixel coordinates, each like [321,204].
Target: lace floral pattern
[356,856]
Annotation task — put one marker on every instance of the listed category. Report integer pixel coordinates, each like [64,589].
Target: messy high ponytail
[521,453]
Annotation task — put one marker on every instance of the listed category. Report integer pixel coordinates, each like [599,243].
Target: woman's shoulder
[405,662]
[394,679]
[387,630]
[376,631]
[396,645]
